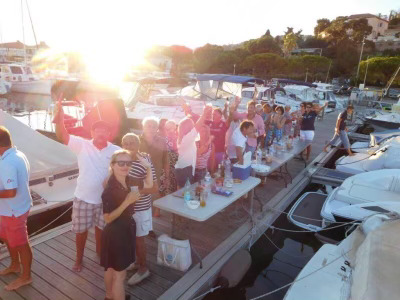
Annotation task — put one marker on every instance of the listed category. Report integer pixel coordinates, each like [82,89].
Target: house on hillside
[379,25]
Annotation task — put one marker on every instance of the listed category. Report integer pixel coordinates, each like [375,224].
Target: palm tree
[289,43]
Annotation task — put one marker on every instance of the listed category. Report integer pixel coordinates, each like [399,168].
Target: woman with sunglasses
[275,126]
[297,116]
[117,244]
[307,128]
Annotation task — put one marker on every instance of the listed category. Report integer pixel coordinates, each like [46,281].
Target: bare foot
[325,149]
[77,267]
[18,283]
[10,269]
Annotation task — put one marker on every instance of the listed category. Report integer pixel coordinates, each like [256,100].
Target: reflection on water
[34,110]
[272,268]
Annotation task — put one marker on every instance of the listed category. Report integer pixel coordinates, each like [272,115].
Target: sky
[77,24]
[122,30]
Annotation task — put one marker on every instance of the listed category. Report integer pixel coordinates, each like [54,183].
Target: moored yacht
[363,266]
[23,80]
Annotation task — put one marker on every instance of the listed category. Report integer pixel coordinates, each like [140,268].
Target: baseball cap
[101,124]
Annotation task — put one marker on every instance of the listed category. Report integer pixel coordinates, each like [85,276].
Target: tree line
[339,43]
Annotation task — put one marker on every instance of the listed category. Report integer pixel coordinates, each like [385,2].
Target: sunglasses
[122,163]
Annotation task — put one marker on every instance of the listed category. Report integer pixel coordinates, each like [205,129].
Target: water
[272,268]
[35,110]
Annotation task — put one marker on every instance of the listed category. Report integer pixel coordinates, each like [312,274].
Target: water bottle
[186,191]
[258,155]
[228,182]
[207,178]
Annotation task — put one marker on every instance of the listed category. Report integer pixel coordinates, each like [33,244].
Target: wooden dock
[215,240]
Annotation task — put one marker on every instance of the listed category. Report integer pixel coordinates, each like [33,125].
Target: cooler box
[241,172]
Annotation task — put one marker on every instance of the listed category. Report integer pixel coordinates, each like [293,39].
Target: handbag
[174,253]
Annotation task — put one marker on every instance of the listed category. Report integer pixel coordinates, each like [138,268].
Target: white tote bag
[173,253]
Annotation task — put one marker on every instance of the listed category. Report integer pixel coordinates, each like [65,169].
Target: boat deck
[215,239]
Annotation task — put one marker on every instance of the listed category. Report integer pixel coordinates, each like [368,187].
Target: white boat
[386,156]
[357,198]
[363,195]
[363,266]
[270,95]
[213,89]
[54,167]
[23,80]
[383,121]
[376,140]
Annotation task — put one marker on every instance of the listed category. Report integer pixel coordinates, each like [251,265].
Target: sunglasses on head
[122,163]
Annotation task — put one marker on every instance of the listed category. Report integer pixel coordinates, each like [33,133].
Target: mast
[23,30]
[33,28]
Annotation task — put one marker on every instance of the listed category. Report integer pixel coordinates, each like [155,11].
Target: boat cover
[376,272]
[389,158]
[46,156]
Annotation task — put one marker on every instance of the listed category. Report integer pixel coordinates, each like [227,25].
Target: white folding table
[215,203]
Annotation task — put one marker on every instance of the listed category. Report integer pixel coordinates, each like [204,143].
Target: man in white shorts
[143,213]
[94,158]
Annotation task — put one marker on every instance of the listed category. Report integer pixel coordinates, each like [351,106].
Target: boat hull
[42,87]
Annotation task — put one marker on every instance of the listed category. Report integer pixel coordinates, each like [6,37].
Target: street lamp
[358,68]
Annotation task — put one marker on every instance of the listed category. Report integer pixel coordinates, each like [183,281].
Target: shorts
[343,137]
[13,230]
[182,175]
[144,222]
[86,215]
[307,135]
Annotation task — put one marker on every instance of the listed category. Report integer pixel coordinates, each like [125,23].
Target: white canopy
[46,156]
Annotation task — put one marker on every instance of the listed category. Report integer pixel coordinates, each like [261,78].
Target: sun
[110,66]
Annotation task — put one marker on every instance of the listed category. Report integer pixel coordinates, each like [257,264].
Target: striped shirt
[202,159]
[138,171]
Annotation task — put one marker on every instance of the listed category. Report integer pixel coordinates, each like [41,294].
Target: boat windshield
[16,70]
[213,90]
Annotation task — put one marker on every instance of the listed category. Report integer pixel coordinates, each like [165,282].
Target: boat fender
[234,269]
[373,222]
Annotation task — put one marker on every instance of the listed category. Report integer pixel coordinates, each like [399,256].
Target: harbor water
[277,258]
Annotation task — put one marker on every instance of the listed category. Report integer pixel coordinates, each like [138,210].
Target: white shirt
[94,167]
[187,151]
[14,174]
[237,140]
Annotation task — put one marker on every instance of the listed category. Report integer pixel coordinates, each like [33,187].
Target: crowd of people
[116,186]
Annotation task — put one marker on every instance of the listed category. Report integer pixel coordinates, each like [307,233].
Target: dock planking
[54,251]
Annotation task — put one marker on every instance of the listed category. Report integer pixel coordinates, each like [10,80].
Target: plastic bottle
[258,155]
[207,178]
[186,191]
[228,182]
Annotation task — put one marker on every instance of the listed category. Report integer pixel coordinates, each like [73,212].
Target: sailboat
[20,74]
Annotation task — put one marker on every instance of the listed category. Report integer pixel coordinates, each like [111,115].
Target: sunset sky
[83,24]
